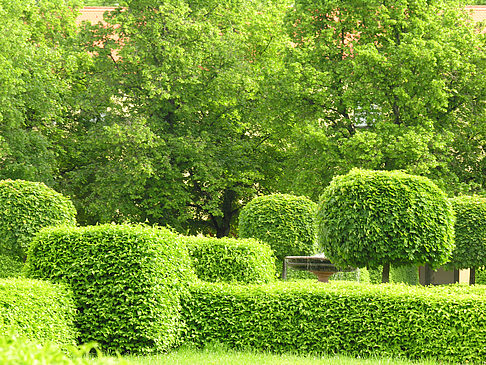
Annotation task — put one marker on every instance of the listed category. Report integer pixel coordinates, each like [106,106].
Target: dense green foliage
[21,351]
[175,131]
[25,208]
[37,310]
[209,103]
[9,266]
[126,282]
[470,232]
[231,260]
[384,85]
[283,221]
[372,218]
[341,318]
[38,59]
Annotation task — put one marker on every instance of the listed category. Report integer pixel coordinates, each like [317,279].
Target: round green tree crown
[285,222]
[25,208]
[470,232]
[369,218]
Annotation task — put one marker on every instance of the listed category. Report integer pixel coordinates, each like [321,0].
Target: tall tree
[179,133]
[34,84]
[386,85]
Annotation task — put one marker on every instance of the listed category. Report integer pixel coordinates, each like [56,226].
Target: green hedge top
[25,208]
[126,281]
[357,320]
[37,310]
[470,232]
[285,222]
[231,260]
[369,218]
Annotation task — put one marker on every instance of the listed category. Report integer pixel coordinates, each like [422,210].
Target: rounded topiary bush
[373,218]
[285,222]
[25,208]
[127,281]
[231,260]
[470,232]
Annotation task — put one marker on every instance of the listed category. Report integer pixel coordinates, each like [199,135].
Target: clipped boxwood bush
[373,218]
[283,221]
[126,282]
[25,208]
[231,260]
[470,233]
[354,319]
[37,310]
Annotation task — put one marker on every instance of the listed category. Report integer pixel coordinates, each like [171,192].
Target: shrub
[25,208]
[126,282]
[373,218]
[37,310]
[231,260]
[358,320]
[10,266]
[470,233]
[21,351]
[285,222]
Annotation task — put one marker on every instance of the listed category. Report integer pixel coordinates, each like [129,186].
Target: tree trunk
[385,275]
[223,225]
[428,275]
[472,276]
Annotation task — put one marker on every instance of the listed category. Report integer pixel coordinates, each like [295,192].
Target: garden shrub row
[38,311]
[340,318]
[231,260]
[126,282]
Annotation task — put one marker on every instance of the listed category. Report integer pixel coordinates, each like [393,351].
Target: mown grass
[219,355]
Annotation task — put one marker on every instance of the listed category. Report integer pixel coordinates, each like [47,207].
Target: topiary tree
[470,234]
[285,222]
[372,218]
[25,208]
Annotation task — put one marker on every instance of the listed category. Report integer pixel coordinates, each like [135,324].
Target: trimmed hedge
[373,218]
[37,310]
[341,318]
[283,221]
[470,232]
[231,260]
[126,282]
[25,208]
[21,351]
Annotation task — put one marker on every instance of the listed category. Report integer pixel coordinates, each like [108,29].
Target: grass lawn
[220,356]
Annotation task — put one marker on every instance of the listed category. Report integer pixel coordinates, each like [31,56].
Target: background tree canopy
[179,112]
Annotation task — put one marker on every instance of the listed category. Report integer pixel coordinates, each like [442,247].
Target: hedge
[126,281]
[470,232]
[37,310]
[283,221]
[373,218]
[231,260]
[21,351]
[407,274]
[354,319]
[25,208]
